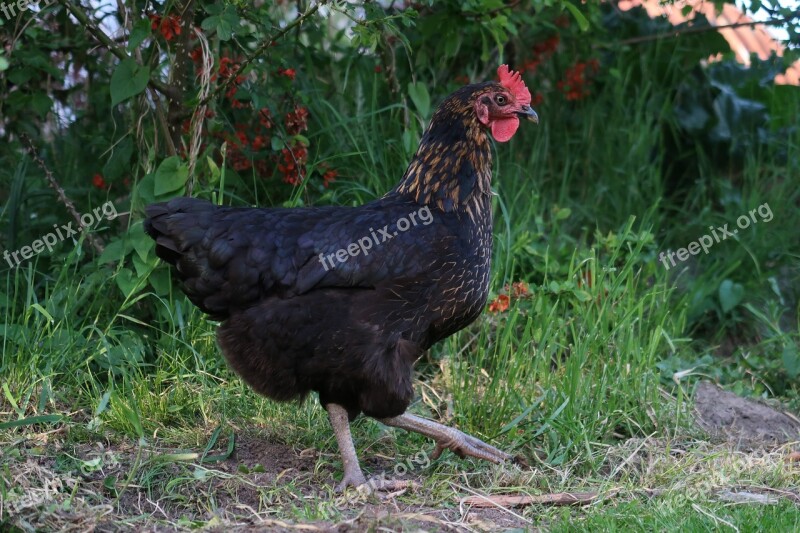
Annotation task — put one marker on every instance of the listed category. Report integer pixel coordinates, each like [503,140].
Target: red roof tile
[743,40]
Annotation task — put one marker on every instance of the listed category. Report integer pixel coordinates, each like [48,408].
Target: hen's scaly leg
[448,438]
[353,477]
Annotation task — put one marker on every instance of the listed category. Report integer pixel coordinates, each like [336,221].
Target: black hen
[344,300]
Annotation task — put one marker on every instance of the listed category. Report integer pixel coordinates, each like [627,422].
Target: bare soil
[741,420]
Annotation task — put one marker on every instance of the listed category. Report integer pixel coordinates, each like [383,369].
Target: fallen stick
[558,498]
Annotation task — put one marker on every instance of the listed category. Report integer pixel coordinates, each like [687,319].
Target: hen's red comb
[513,82]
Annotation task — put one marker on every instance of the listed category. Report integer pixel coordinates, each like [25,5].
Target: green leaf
[40,103]
[146,187]
[113,252]
[225,22]
[214,170]
[141,242]
[791,360]
[410,141]
[563,213]
[730,294]
[142,268]
[419,95]
[452,43]
[579,17]
[222,456]
[160,281]
[109,483]
[3,64]
[101,407]
[171,176]
[41,419]
[126,281]
[119,162]
[582,295]
[20,75]
[141,30]
[128,80]
[131,415]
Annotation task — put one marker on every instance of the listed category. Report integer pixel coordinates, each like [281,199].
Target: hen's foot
[375,484]
[353,479]
[448,438]
[376,487]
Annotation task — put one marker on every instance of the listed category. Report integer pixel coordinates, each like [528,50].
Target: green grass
[578,377]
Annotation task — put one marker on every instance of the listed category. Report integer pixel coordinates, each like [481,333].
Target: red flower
[288,72]
[98,181]
[328,177]
[530,66]
[541,52]
[536,99]
[259,142]
[328,174]
[229,68]
[293,163]
[499,304]
[547,47]
[297,121]
[242,136]
[378,69]
[265,118]
[520,289]
[238,161]
[575,79]
[168,26]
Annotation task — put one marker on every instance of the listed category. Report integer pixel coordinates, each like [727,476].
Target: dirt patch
[740,420]
[263,486]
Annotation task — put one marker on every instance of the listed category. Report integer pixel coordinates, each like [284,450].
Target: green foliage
[128,80]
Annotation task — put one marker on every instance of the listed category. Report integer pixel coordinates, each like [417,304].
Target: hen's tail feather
[179,228]
[177,225]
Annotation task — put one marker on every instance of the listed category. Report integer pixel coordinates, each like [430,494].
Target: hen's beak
[527,112]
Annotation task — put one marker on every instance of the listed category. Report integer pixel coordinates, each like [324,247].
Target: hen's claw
[448,438]
[351,479]
[374,484]
[464,445]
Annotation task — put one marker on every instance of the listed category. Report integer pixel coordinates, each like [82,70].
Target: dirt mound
[742,420]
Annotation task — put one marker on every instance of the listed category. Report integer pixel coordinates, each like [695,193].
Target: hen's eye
[500,99]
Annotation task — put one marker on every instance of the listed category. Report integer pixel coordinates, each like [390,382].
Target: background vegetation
[590,343]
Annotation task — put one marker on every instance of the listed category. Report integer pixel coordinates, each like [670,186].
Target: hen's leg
[353,477]
[448,438]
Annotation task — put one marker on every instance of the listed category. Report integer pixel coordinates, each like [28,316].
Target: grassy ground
[120,413]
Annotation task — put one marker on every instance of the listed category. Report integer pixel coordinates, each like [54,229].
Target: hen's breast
[463,287]
[451,284]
